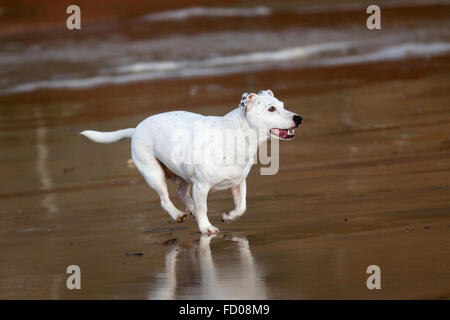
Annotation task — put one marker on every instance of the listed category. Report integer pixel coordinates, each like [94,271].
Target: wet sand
[366,181]
[367,184]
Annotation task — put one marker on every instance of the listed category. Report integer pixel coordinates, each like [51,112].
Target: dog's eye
[272,109]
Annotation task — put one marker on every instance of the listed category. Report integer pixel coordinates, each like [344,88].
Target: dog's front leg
[239,193]
[200,193]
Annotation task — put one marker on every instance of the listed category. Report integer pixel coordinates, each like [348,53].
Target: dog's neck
[239,116]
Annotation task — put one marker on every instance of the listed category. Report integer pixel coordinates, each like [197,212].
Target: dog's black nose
[297,120]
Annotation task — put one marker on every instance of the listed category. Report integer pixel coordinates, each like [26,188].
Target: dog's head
[265,113]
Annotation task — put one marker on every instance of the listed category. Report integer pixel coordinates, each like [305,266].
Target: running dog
[258,117]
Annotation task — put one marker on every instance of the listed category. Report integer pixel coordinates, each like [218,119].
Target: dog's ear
[247,100]
[244,97]
[268,91]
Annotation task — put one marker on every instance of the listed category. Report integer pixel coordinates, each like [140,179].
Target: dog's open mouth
[284,134]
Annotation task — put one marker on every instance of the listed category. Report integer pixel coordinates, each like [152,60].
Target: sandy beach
[366,180]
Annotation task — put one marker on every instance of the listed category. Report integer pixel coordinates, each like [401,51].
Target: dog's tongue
[283,133]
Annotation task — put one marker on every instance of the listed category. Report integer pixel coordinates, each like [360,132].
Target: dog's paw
[209,230]
[191,212]
[182,218]
[229,217]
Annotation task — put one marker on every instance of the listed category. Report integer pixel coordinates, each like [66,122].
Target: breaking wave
[196,12]
[305,56]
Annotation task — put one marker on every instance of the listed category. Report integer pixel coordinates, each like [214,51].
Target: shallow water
[366,181]
[174,44]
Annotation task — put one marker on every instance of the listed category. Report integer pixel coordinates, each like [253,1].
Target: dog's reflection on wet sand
[242,280]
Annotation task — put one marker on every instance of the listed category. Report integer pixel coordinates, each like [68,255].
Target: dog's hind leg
[183,189]
[183,192]
[239,193]
[153,173]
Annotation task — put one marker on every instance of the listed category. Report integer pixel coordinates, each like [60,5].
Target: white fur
[153,143]
[108,137]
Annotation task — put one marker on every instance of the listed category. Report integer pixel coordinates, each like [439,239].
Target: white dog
[258,117]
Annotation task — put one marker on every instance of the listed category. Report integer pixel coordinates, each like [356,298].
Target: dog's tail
[108,137]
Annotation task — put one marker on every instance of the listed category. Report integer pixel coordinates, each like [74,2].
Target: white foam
[306,56]
[149,66]
[194,12]
[280,55]
[395,52]
[250,58]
